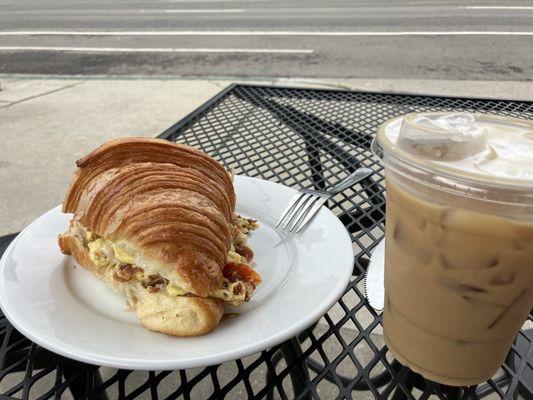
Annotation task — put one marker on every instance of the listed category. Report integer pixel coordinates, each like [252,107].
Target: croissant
[156,221]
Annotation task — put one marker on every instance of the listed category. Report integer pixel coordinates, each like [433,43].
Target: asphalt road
[396,39]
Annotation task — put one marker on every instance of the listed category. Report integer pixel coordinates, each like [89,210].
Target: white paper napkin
[374,279]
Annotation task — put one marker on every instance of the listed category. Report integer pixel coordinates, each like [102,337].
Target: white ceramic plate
[64,308]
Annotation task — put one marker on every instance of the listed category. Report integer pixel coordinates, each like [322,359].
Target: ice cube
[442,136]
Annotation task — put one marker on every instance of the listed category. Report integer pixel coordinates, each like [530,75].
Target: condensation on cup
[459,241]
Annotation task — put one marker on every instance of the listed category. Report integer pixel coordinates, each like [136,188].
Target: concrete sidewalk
[47,123]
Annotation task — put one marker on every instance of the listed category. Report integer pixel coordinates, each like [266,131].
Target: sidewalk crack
[41,95]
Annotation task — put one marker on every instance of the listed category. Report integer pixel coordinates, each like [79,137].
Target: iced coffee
[459,241]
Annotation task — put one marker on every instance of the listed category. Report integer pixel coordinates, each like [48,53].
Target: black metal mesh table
[301,138]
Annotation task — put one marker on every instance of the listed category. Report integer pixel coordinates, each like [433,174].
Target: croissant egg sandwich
[156,221]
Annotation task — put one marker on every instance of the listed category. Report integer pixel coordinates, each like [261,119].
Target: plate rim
[77,353]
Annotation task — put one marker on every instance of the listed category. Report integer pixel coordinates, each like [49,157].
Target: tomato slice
[241,272]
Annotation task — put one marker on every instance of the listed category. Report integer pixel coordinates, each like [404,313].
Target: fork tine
[311,214]
[298,208]
[301,215]
[294,200]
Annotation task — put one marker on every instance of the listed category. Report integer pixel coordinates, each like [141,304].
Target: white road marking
[152,50]
[212,1]
[264,33]
[131,11]
[197,11]
[497,7]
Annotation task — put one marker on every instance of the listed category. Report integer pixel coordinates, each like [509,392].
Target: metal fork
[306,203]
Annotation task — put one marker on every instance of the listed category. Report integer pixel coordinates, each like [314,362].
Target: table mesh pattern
[300,138]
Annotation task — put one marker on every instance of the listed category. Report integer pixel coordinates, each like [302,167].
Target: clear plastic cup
[459,241]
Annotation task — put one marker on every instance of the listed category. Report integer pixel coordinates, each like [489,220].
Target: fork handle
[350,180]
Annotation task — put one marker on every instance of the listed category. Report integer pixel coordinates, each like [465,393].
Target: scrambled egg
[234,257]
[240,226]
[100,252]
[174,290]
[106,254]
[122,255]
